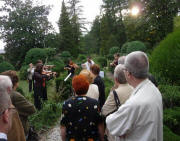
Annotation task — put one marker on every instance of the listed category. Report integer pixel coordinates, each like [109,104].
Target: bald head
[137,64]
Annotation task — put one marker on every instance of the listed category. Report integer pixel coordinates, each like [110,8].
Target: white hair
[137,64]
[5,84]
[119,74]
[121,60]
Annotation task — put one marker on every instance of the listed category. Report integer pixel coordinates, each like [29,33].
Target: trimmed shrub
[114,50]
[65,55]
[168,135]
[23,72]
[172,119]
[64,88]
[47,117]
[35,54]
[59,66]
[4,66]
[129,47]
[171,95]
[166,58]
[50,52]
[110,56]
[102,61]
[81,58]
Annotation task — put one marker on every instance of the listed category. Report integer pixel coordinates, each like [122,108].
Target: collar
[3,136]
[144,82]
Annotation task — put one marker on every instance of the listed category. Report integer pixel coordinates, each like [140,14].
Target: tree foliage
[23,27]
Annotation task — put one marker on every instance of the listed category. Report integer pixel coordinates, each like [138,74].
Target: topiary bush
[4,66]
[166,58]
[81,58]
[50,52]
[171,95]
[102,61]
[47,117]
[172,119]
[114,50]
[64,88]
[59,66]
[23,72]
[168,135]
[65,55]
[133,46]
[35,54]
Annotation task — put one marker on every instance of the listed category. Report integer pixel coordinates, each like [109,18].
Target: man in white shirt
[140,118]
[88,64]
[5,115]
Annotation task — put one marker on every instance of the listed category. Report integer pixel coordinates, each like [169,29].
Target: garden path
[52,135]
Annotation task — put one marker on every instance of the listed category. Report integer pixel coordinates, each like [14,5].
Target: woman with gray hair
[123,92]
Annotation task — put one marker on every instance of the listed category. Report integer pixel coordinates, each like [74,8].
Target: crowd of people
[131,112]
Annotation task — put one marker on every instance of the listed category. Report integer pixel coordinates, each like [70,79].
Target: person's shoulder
[92,100]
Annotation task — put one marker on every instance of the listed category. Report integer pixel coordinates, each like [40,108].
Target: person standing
[40,89]
[16,133]
[140,118]
[23,106]
[81,119]
[5,115]
[95,69]
[88,64]
[30,71]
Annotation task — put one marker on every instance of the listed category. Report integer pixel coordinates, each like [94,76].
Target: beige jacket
[93,91]
[123,91]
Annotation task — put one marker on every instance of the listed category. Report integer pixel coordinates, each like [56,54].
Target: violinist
[71,67]
[40,89]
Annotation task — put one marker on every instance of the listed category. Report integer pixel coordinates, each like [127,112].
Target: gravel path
[52,135]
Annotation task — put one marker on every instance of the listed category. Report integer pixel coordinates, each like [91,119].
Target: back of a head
[13,76]
[95,69]
[80,84]
[137,64]
[5,84]
[119,74]
[88,75]
[121,60]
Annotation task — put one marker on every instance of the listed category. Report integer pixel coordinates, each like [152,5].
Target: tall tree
[23,27]
[65,28]
[112,21]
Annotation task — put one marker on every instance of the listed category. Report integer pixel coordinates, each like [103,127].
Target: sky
[91,8]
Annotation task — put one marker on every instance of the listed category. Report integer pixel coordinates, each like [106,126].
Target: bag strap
[116,99]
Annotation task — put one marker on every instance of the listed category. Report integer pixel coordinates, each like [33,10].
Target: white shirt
[140,118]
[3,136]
[93,91]
[87,65]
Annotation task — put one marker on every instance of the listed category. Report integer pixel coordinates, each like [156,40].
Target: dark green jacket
[24,108]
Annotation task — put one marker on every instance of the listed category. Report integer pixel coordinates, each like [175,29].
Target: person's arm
[121,122]
[63,133]
[24,107]
[109,105]
[101,131]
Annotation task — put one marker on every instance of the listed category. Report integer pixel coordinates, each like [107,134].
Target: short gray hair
[121,60]
[137,64]
[5,83]
[4,101]
[119,74]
